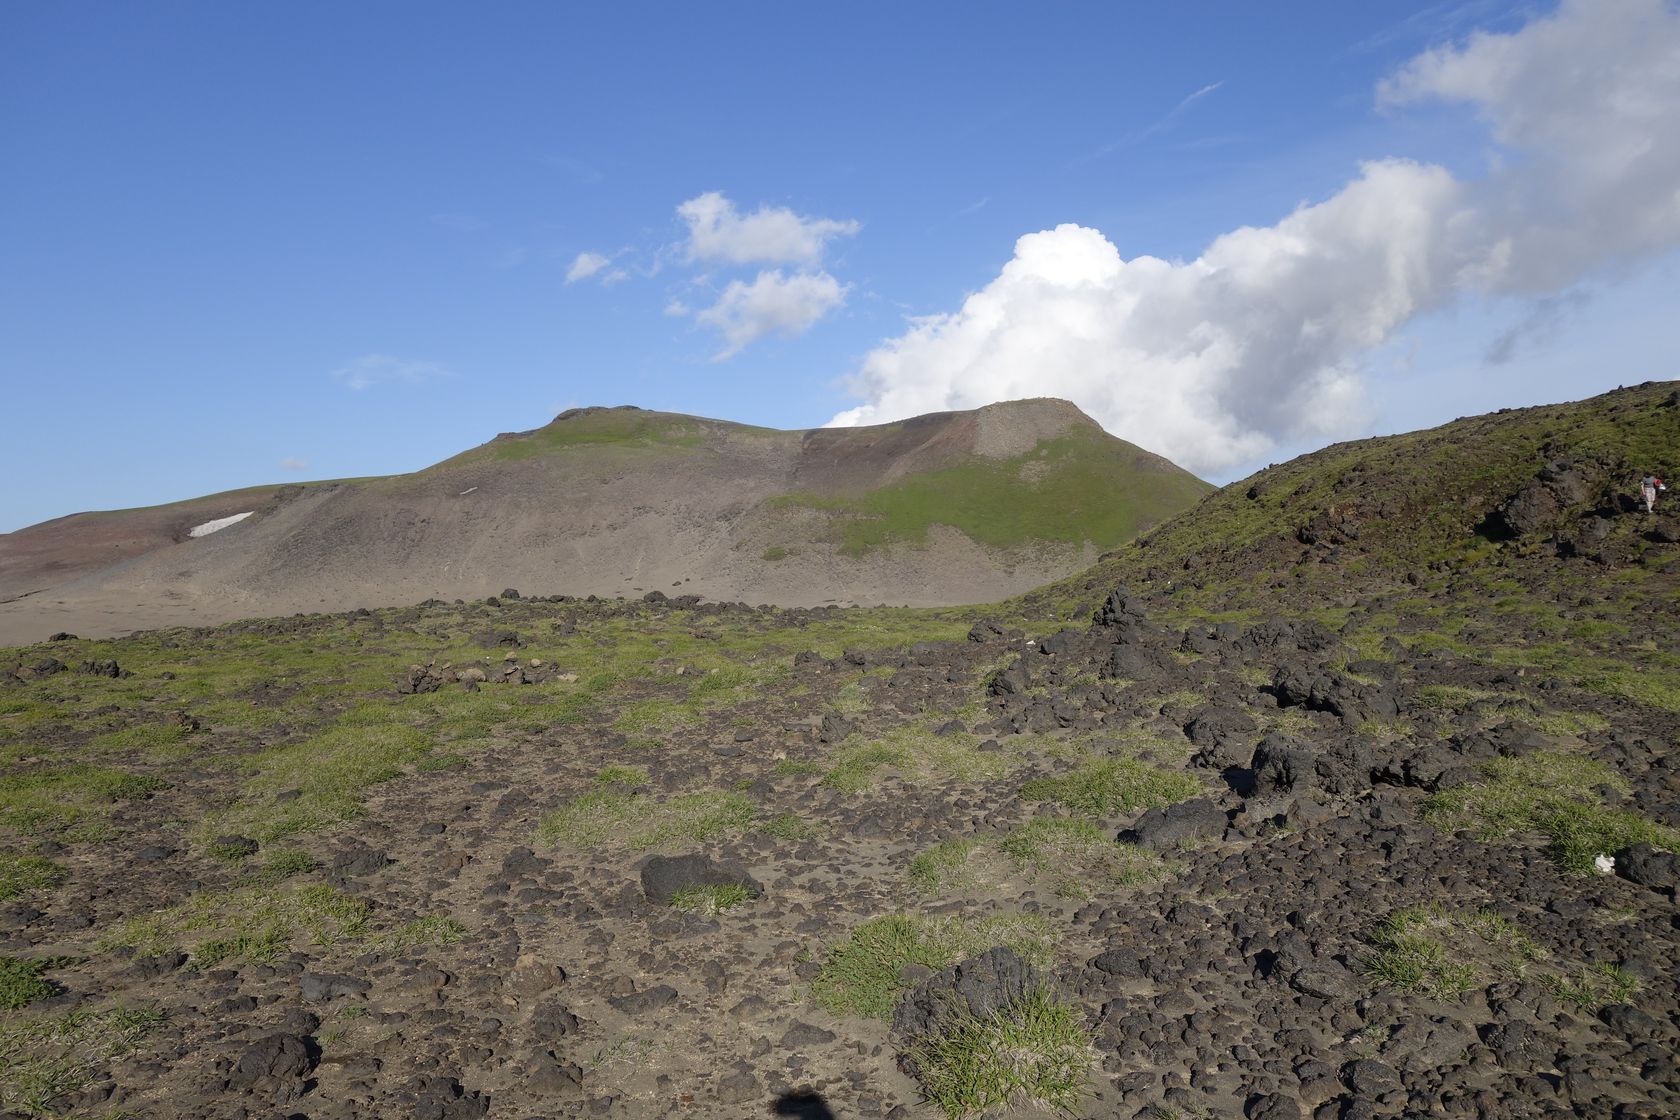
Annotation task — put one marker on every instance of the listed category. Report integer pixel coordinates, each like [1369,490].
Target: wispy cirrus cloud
[370,370]
[293,463]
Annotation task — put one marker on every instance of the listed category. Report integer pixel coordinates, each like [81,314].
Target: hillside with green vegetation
[1282,811]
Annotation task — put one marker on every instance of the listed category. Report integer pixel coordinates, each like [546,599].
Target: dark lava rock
[665,876]
[1273,1106]
[977,986]
[151,853]
[1649,867]
[802,1035]
[279,1057]
[318,987]
[1283,766]
[1177,825]
[235,847]
[443,1098]
[354,860]
[150,968]
[834,728]
[1012,681]
[1325,981]
[640,1003]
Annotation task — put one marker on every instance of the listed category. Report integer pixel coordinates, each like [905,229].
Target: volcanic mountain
[955,507]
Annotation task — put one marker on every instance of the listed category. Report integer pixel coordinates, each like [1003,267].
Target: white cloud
[769,235]
[745,312]
[382,369]
[585,265]
[293,463]
[1215,361]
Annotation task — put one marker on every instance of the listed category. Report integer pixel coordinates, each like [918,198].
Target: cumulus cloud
[1215,361]
[768,235]
[585,265]
[293,463]
[384,369]
[773,302]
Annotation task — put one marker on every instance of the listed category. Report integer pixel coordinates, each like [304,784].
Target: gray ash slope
[946,508]
[1365,799]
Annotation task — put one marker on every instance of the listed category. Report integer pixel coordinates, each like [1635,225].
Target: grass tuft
[640,822]
[711,898]
[21,983]
[44,1060]
[27,873]
[1557,794]
[1107,787]
[862,975]
[1034,1051]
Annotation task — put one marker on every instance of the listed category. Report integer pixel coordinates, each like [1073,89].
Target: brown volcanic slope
[948,508]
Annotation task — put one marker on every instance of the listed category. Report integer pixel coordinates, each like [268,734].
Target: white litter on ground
[467,491]
[217,525]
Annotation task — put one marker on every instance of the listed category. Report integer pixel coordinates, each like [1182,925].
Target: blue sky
[246,244]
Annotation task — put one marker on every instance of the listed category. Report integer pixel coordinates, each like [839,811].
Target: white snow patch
[467,491]
[219,524]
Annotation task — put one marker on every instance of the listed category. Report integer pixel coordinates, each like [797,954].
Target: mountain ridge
[945,508]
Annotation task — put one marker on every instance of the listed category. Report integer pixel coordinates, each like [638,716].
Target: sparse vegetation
[711,898]
[1106,787]
[863,974]
[19,874]
[1557,794]
[21,983]
[245,923]
[638,821]
[44,1060]
[1034,1051]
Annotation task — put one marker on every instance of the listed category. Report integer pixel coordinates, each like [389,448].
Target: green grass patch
[21,983]
[439,762]
[1035,1051]
[332,773]
[1107,787]
[1412,957]
[792,768]
[1594,986]
[434,929]
[640,822]
[158,742]
[43,1060]
[1103,493]
[711,898]
[946,866]
[1079,858]
[67,800]
[774,553]
[855,768]
[19,874]
[245,923]
[861,975]
[1556,794]
[622,776]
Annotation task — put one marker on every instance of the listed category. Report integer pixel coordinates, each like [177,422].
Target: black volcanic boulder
[1223,733]
[1283,766]
[977,987]
[1177,826]
[280,1061]
[663,877]
[1120,605]
[1650,867]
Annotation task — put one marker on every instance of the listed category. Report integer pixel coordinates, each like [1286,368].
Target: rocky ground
[1306,830]
[371,882]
